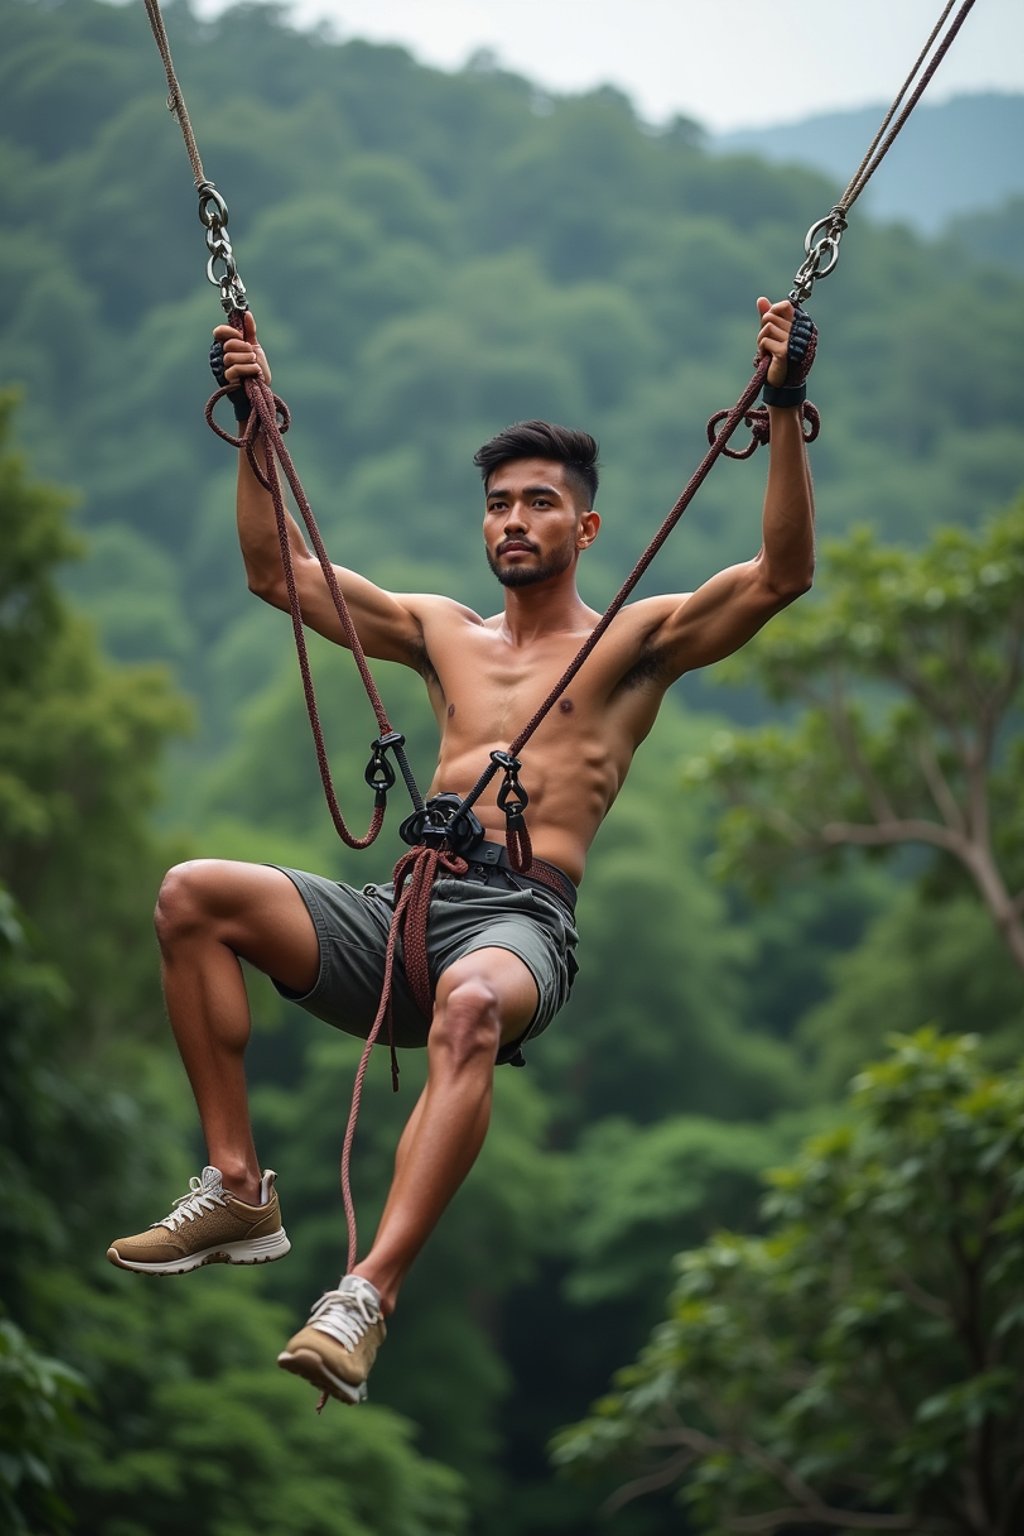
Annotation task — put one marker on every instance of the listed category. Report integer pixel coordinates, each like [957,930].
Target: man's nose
[514,520]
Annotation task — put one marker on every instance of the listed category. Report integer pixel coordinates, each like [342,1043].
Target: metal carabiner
[822,253]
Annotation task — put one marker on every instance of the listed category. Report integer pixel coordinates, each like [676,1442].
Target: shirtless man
[501,943]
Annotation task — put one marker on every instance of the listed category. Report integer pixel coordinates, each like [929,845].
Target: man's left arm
[724,613]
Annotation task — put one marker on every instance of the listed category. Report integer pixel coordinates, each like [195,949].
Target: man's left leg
[485,1000]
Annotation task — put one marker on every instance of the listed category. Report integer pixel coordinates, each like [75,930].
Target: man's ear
[590,522]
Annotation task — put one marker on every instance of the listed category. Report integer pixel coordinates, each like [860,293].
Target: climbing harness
[444,830]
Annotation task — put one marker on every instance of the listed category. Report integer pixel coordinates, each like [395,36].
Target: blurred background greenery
[431,256]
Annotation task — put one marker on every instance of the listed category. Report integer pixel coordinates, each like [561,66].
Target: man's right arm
[388,627]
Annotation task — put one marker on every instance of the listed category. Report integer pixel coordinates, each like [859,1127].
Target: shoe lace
[202,1196]
[345,1315]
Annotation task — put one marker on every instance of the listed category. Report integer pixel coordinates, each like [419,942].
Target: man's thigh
[252,909]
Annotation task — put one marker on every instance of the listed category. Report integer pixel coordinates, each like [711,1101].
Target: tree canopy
[859,1366]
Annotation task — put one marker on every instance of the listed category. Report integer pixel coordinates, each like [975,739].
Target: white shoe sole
[308,1364]
[256,1250]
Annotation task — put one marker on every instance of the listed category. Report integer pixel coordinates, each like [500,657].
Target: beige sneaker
[207,1226]
[339,1344]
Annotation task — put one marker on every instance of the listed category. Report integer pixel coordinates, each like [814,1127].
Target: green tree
[169,1394]
[38,1399]
[861,1367]
[910,673]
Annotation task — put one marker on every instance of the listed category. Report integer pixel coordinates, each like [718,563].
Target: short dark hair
[577,451]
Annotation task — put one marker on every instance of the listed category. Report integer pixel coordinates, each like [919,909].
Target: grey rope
[882,143]
[175,100]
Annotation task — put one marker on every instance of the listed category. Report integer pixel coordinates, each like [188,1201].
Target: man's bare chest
[501,686]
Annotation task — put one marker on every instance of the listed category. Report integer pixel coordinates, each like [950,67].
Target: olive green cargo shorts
[497,910]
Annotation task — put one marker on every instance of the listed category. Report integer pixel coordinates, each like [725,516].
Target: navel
[451,710]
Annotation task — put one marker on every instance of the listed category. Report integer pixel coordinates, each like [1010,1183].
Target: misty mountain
[954,159]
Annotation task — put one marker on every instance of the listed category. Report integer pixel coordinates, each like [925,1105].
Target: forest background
[430,256]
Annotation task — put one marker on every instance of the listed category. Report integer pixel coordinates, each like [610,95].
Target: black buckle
[379,773]
[512,797]
[442,823]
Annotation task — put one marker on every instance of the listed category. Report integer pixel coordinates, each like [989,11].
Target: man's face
[531,522]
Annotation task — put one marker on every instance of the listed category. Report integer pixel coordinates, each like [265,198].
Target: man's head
[540,481]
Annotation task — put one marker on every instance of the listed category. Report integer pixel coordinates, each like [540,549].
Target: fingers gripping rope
[802,345]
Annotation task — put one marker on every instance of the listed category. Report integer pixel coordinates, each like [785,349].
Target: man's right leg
[209,914]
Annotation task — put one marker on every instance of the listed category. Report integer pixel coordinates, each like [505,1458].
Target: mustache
[507,544]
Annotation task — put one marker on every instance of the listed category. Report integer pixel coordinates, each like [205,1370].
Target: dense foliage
[860,1366]
[429,256]
[910,675]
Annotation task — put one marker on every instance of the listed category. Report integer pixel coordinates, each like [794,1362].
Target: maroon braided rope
[414,877]
[262,428]
[700,474]
[876,153]
[690,490]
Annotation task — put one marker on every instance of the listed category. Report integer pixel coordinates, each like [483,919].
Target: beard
[528,576]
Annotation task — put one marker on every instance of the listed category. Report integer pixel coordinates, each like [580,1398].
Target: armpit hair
[649,668]
[425,667]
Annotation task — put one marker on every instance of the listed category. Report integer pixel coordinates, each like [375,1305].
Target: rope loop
[756,420]
[759,423]
[250,427]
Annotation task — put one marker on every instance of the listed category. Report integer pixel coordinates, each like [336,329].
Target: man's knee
[467,1018]
[183,902]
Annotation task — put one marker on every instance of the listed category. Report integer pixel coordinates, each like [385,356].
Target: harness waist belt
[487,858]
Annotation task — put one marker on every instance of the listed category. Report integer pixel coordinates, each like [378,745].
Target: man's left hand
[773,337]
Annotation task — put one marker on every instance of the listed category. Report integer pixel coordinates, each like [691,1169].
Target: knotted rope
[414,877]
[731,421]
[263,429]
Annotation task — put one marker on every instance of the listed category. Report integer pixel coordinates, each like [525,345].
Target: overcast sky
[727,63]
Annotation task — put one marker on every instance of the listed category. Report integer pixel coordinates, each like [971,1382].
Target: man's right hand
[244,358]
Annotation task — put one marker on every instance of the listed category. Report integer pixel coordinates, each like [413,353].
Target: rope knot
[759,424]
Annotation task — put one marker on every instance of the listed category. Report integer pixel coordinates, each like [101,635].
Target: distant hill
[957,158]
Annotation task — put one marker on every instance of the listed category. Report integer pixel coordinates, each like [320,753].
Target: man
[501,943]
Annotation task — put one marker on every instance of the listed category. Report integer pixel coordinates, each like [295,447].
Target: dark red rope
[700,474]
[690,490]
[414,877]
[262,428]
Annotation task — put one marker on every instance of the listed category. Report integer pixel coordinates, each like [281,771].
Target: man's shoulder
[636,625]
[649,612]
[435,609]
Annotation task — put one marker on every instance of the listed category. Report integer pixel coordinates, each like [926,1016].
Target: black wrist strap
[784,395]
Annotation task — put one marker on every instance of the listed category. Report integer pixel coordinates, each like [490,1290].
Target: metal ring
[809,241]
[827,246]
[229,275]
[216,237]
[208,195]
